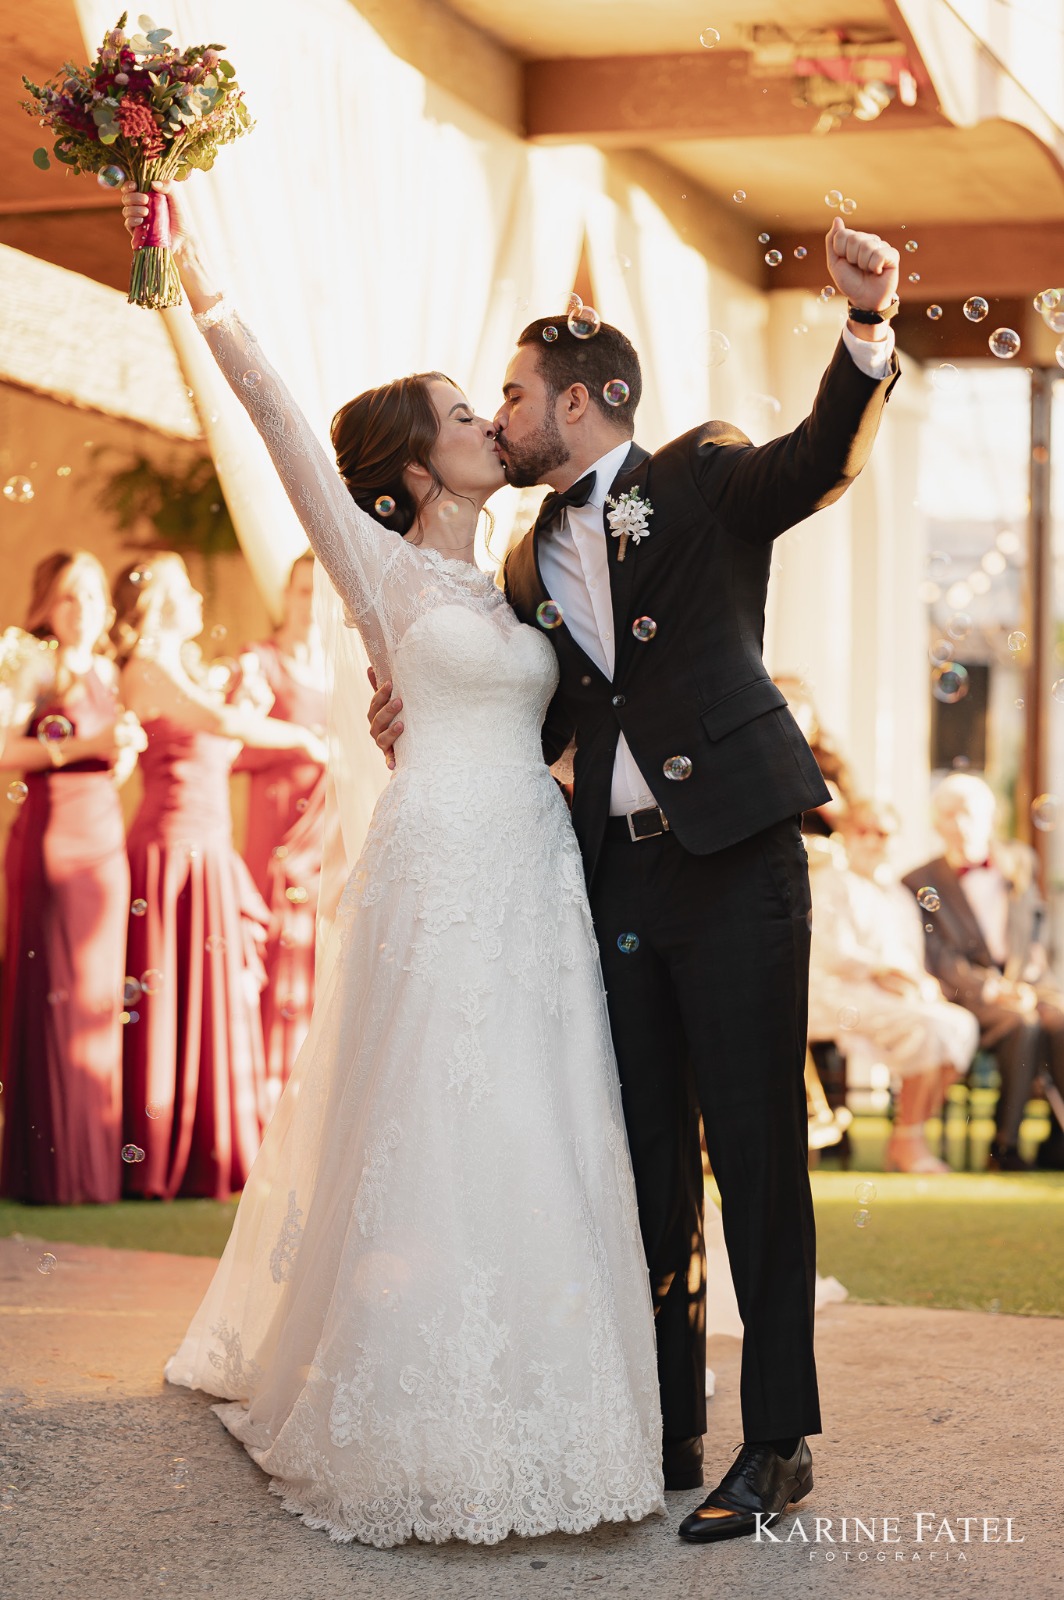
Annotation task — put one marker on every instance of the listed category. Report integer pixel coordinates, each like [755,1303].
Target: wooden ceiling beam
[617,101]
[954,260]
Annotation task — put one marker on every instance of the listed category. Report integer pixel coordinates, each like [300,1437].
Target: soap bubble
[975,308]
[949,682]
[1017,641]
[911,246]
[946,378]
[833,198]
[928,898]
[384,505]
[132,1154]
[47,1264]
[914,277]
[959,626]
[763,238]
[1057,691]
[18,489]
[1048,300]
[934,313]
[296,894]
[862,1218]
[151,981]
[549,614]
[616,392]
[110,177]
[550,333]
[1045,812]
[584,322]
[17,792]
[575,303]
[644,629]
[1059,353]
[251,378]
[800,328]
[864,1193]
[54,730]
[848,207]
[139,908]
[153,1112]
[717,347]
[739,196]
[628,943]
[678,768]
[828,292]
[800,252]
[1004,343]
[848,1017]
[708,38]
[773,257]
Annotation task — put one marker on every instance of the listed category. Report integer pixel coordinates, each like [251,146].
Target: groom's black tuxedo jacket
[700,688]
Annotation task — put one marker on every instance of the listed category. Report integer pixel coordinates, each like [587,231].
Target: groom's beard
[528,463]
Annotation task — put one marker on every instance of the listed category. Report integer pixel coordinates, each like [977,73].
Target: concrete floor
[113,1487]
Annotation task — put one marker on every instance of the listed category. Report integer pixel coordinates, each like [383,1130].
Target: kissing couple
[461,1297]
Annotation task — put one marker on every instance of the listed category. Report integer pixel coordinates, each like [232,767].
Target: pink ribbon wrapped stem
[154,231]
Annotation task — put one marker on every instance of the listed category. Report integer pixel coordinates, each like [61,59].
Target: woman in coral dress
[67,894]
[286,826]
[194,1066]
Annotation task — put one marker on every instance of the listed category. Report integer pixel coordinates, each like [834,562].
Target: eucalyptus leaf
[69,158]
[159,36]
[42,159]
[108,135]
[102,113]
[145,23]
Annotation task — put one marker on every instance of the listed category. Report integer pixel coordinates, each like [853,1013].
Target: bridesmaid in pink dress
[194,1065]
[67,897]
[286,827]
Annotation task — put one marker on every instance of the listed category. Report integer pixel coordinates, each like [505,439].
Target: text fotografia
[939,1535]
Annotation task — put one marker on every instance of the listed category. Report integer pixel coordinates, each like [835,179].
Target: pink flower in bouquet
[139,126]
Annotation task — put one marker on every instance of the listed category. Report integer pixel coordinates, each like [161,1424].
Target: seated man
[868,984]
[984,949]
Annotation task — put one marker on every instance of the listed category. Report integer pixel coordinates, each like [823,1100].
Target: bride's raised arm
[357,552]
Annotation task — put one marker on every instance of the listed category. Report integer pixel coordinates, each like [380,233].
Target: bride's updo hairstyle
[379,433]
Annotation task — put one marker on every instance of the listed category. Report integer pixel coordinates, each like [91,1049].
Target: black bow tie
[555,504]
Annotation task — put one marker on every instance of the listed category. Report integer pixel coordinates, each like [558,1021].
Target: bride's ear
[416,477]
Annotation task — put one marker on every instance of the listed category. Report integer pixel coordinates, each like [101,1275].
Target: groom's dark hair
[607,358]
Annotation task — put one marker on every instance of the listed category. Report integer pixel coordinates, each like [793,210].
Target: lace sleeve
[366,563]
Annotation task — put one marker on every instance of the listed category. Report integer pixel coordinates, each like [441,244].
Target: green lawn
[970,1241]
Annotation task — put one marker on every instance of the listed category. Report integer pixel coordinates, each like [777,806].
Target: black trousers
[709,1013]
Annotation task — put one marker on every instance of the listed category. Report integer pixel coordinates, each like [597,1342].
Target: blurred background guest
[822,820]
[194,1063]
[869,990]
[985,949]
[286,824]
[67,894]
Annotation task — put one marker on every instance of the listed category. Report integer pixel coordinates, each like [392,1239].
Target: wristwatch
[860,314]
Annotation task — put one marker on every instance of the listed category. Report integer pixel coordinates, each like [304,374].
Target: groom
[690,778]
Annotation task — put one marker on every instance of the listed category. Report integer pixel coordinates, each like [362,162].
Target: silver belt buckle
[637,838]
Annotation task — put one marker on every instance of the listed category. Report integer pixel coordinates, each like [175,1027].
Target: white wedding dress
[432,1318]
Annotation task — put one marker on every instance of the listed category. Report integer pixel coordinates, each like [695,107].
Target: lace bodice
[386,584]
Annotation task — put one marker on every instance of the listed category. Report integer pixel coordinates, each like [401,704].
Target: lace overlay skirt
[432,1319]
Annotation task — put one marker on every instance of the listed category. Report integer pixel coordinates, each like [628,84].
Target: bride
[432,1318]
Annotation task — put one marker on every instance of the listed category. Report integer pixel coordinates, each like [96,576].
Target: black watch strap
[859,314]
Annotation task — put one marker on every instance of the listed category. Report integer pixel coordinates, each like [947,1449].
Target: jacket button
[618,699]
[586,681]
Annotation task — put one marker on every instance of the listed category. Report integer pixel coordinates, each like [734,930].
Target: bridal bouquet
[142,111]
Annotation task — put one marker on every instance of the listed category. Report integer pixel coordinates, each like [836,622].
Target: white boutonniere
[627,518]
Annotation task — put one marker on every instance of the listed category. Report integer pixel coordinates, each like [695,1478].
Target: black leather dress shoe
[760,1483]
[681,1461]
[1006,1158]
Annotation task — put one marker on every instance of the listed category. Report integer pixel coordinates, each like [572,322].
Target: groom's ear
[575,401]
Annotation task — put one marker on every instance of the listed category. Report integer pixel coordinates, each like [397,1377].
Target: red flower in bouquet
[143,111]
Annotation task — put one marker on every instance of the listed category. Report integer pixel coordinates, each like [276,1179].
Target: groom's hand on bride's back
[383,713]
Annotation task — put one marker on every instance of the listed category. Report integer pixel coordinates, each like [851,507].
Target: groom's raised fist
[863,266]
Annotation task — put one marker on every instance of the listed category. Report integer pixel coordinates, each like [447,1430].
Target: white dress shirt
[574,559]
[987,893]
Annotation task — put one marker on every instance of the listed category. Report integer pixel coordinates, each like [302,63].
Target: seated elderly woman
[868,987]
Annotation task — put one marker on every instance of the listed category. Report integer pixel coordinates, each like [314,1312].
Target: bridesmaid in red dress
[286,827]
[194,1066]
[67,896]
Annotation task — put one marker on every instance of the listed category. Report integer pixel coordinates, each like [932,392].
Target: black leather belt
[638,825]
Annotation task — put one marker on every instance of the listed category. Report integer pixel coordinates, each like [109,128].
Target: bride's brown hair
[379,433]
